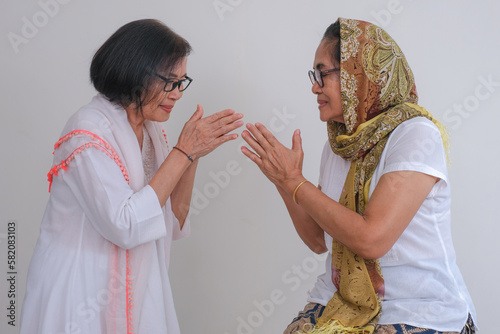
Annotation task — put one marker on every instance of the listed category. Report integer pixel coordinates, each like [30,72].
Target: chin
[329,117]
[324,117]
[163,118]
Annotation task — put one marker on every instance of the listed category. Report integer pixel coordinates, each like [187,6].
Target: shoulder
[415,145]
[417,128]
[96,117]
[415,138]
[100,123]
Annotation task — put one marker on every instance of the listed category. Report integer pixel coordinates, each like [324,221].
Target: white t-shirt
[423,285]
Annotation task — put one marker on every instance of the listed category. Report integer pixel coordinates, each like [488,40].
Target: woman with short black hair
[119,194]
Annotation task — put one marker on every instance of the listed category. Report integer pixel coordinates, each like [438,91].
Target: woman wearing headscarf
[120,194]
[382,206]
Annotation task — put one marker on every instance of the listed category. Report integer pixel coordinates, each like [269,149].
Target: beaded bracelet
[187,155]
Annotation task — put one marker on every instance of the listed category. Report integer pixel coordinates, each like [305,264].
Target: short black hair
[332,35]
[123,68]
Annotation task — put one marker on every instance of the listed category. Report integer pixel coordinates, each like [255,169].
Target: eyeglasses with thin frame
[317,75]
[171,84]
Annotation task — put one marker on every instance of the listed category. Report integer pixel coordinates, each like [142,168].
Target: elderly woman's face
[159,109]
[329,98]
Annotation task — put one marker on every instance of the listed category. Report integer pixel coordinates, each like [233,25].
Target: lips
[167,108]
[322,103]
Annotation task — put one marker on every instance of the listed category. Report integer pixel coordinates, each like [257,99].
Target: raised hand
[201,136]
[281,165]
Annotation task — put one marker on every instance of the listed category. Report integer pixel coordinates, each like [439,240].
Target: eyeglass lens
[315,76]
[171,85]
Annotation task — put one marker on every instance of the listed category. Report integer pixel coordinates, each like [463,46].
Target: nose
[175,94]
[316,89]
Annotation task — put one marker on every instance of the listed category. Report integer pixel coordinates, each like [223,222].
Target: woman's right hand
[201,136]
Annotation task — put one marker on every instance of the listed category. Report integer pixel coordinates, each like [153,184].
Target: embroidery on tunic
[129,295]
[106,148]
[166,141]
[100,144]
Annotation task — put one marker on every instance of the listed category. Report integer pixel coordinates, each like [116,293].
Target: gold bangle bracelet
[295,191]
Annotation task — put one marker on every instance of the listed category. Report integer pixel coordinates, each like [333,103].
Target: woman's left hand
[281,165]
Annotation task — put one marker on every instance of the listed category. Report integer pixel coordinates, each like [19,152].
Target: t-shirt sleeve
[415,145]
[323,162]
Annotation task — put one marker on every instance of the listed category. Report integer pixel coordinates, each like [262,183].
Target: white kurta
[101,262]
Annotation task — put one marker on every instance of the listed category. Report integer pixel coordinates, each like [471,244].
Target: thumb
[198,114]
[297,141]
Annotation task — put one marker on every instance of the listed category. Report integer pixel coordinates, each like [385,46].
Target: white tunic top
[423,285]
[101,262]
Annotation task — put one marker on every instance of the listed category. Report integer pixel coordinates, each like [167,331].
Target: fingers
[252,156]
[224,139]
[219,141]
[227,124]
[258,136]
[267,134]
[254,144]
[228,120]
[203,135]
[219,115]
[198,114]
[221,123]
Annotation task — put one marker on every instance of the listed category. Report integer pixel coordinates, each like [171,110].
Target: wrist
[296,190]
[291,183]
[189,157]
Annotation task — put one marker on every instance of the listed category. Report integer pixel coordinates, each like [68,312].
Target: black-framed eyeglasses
[317,75]
[171,84]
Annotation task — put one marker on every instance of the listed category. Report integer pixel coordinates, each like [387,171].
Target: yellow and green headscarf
[378,93]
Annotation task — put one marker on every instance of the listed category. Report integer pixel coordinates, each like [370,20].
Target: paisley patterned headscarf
[378,93]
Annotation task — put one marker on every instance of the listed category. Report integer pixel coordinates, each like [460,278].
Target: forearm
[341,223]
[392,206]
[307,229]
[181,195]
[169,175]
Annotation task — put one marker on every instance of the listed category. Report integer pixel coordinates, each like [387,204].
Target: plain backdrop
[244,269]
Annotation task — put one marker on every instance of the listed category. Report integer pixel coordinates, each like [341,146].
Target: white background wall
[251,56]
